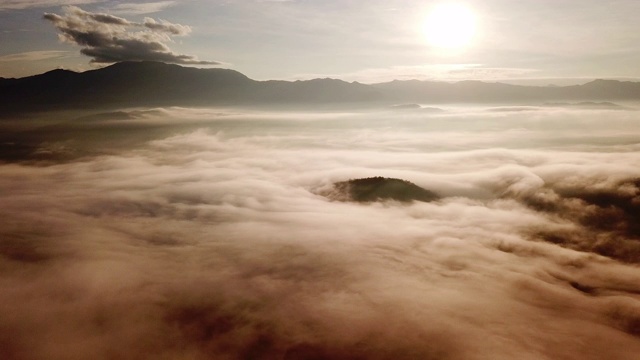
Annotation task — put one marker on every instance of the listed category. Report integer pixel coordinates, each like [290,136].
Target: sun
[450,26]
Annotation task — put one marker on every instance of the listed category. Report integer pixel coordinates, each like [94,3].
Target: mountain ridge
[133,84]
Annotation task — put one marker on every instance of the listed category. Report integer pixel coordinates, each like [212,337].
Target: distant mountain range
[133,84]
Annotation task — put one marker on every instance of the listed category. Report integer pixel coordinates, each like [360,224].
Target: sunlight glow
[450,26]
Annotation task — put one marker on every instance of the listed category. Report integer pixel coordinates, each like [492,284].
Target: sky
[356,40]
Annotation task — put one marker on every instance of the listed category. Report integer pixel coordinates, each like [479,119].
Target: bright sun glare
[450,26]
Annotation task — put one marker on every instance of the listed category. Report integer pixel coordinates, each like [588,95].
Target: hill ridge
[148,83]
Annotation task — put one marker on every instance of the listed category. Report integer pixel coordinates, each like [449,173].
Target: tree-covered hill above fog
[131,84]
[379,188]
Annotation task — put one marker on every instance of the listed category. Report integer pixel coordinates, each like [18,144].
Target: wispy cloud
[34,55]
[25,4]
[439,72]
[107,38]
[141,8]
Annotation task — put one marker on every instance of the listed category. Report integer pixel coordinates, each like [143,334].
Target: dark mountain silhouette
[123,84]
[132,84]
[484,92]
[380,188]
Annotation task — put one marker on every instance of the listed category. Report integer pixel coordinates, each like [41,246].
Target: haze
[160,206]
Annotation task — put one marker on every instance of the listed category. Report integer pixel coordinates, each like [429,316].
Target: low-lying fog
[203,234]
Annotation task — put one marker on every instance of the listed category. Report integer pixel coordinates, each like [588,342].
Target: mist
[196,233]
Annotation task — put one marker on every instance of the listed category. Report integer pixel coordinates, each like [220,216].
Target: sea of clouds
[204,234]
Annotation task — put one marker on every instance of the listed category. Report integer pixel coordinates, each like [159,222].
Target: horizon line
[511,81]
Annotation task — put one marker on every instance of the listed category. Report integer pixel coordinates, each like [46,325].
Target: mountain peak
[603,82]
[60,71]
[141,64]
[322,80]
[148,83]
[159,69]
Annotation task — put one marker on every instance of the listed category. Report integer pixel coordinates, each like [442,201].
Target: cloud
[25,4]
[108,38]
[202,233]
[34,55]
[165,26]
[437,72]
[141,8]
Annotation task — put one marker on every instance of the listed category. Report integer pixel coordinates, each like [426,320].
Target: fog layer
[197,234]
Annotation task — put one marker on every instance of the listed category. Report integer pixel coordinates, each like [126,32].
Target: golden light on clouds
[450,26]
